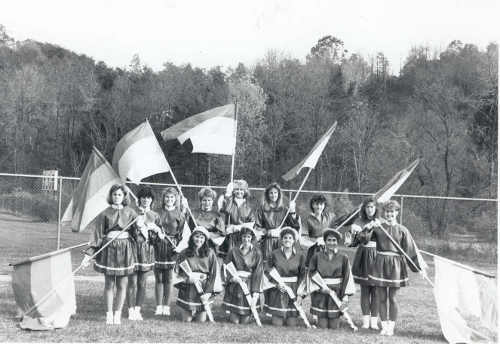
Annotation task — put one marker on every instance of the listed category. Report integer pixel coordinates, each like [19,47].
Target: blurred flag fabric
[466,303]
[138,154]
[312,158]
[212,131]
[186,233]
[89,197]
[34,279]
[383,195]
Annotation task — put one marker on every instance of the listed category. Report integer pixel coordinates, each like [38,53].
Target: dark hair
[276,186]
[191,249]
[145,192]
[366,201]
[124,189]
[247,230]
[318,199]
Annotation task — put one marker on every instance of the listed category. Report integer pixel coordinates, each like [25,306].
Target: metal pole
[59,214]
[401,211]
[235,138]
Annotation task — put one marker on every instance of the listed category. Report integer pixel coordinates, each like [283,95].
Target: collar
[145,209]
[251,246]
[170,209]
[294,251]
[117,206]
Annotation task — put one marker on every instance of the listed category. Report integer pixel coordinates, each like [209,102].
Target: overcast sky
[224,32]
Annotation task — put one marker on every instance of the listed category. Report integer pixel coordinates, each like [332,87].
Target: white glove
[184,202]
[140,221]
[229,189]
[292,206]
[204,297]
[86,260]
[376,223]
[348,238]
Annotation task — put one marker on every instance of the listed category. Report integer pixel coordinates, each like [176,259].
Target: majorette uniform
[172,224]
[365,255]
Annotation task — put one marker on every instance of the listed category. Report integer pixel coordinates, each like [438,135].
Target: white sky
[224,32]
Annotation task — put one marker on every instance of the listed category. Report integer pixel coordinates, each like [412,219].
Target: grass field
[21,238]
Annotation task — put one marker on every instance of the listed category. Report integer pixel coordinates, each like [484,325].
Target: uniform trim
[165,263]
[280,309]
[193,303]
[131,267]
[321,310]
[388,280]
[388,253]
[236,306]
[361,278]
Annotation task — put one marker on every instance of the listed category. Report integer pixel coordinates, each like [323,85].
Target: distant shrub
[42,206]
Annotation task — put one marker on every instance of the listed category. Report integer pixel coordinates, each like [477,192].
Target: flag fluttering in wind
[89,197]
[138,154]
[312,158]
[212,131]
[466,303]
[383,195]
[43,291]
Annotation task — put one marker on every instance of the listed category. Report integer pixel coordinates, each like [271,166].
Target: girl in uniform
[209,218]
[117,260]
[363,260]
[148,223]
[389,272]
[335,270]
[172,221]
[269,217]
[316,223]
[290,264]
[236,209]
[205,270]
[247,260]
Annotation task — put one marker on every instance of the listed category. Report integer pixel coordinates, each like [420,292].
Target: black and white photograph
[188,171]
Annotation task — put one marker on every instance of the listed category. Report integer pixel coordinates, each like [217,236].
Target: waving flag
[312,158]
[466,303]
[43,291]
[385,194]
[89,198]
[212,131]
[138,154]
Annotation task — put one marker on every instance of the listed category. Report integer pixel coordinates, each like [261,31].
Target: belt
[370,244]
[117,235]
[330,281]
[273,233]
[244,274]
[388,253]
[289,279]
[199,276]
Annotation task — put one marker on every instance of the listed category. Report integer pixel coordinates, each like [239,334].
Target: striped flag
[212,131]
[312,158]
[385,194]
[44,290]
[138,154]
[89,197]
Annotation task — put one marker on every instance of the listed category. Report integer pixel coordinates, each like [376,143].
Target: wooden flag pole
[235,137]
[295,197]
[350,217]
[180,192]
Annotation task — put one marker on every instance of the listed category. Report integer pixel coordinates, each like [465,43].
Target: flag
[385,194]
[312,158]
[466,303]
[212,131]
[138,154]
[186,233]
[45,280]
[89,197]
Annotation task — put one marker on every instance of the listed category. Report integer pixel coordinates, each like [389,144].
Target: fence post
[59,214]
[401,211]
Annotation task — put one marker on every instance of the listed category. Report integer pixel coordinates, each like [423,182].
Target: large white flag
[466,303]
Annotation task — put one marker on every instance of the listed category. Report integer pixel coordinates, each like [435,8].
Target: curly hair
[203,251]
[145,192]
[318,199]
[116,187]
[367,201]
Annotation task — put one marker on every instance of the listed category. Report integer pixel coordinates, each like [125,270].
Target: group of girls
[259,244]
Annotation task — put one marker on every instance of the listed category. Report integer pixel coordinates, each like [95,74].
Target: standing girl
[269,217]
[172,221]
[363,260]
[237,211]
[316,223]
[205,271]
[247,260]
[389,271]
[117,260]
[148,223]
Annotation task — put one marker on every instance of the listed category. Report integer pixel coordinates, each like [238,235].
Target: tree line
[442,107]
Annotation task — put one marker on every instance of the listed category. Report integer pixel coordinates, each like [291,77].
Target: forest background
[440,107]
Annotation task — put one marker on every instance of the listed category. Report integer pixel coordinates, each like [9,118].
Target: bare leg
[121,289]
[132,290]
[277,321]
[382,299]
[373,301]
[291,321]
[141,288]
[185,315]
[334,323]
[365,299]
[109,287]
[159,287]
[393,306]
[244,319]
[201,316]
[168,287]
[323,322]
[234,318]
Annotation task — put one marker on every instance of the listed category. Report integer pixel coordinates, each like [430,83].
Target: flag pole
[350,217]
[295,197]
[405,254]
[459,264]
[182,195]
[235,136]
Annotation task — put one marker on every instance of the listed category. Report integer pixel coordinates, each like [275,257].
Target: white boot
[109,318]
[159,310]
[374,323]
[117,318]
[131,314]
[366,322]
[138,315]
[166,310]
[390,328]
[384,328]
